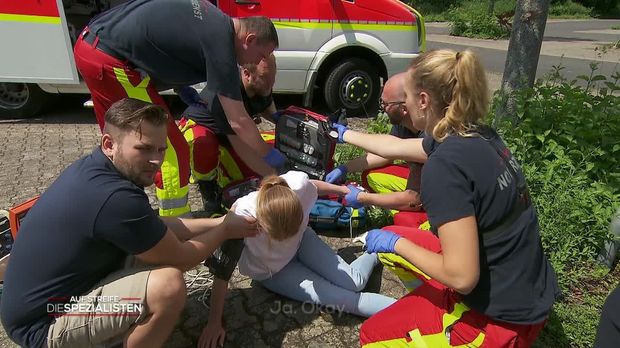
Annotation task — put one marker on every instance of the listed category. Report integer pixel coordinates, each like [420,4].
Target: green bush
[379,125]
[475,24]
[433,10]
[603,8]
[438,10]
[569,9]
[583,120]
[567,139]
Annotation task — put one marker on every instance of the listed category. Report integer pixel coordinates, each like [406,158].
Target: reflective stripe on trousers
[436,340]
[172,190]
[379,181]
[229,170]
[202,168]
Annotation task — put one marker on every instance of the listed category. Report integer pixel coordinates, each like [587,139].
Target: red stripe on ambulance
[47,8]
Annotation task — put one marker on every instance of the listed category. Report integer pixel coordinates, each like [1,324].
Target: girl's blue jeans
[318,275]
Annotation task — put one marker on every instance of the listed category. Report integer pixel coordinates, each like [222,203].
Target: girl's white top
[262,256]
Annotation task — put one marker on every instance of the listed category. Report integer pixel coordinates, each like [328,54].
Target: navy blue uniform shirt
[465,176]
[80,230]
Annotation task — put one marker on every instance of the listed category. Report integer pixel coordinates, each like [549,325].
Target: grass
[439,10]
[616,27]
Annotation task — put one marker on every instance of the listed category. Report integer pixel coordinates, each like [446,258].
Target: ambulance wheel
[21,100]
[353,85]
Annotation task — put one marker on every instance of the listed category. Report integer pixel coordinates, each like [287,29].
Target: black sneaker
[211,195]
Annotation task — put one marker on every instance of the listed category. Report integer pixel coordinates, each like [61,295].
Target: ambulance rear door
[303,28]
[35,43]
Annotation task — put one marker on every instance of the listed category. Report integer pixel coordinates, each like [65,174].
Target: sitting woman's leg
[435,317]
[408,273]
[322,259]
[298,282]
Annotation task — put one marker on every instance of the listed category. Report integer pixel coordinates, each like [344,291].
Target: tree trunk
[526,38]
[491,7]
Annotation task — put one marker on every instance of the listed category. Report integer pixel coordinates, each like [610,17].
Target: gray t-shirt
[176,42]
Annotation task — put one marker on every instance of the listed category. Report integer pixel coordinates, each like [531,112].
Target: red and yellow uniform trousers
[432,315]
[211,160]
[393,178]
[109,80]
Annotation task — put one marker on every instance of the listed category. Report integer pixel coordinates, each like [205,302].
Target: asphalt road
[569,43]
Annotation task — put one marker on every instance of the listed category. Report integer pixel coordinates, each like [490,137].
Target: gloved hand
[188,95]
[341,129]
[337,174]
[350,199]
[275,159]
[381,241]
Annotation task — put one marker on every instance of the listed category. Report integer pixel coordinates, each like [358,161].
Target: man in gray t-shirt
[143,46]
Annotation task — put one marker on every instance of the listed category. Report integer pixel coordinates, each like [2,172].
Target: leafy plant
[584,121]
[379,217]
[568,143]
[476,25]
[379,125]
[569,9]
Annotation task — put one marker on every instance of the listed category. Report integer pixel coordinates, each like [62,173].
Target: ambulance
[339,50]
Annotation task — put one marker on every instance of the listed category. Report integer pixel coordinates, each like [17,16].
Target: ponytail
[457,86]
[278,211]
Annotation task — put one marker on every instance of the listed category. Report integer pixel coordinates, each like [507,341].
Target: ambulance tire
[340,88]
[21,100]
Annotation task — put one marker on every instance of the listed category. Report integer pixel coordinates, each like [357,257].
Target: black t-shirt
[176,42]
[415,169]
[608,332]
[465,176]
[213,117]
[80,230]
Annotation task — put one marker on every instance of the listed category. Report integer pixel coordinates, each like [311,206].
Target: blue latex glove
[188,95]
[276,116]
[341,129]
[275,159]
[337,174]
[381,241]
[351,197]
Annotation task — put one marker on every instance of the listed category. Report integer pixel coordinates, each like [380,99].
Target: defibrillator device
[307,140]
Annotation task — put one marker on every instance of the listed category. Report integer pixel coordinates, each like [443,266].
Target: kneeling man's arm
[187,254]
[407,200]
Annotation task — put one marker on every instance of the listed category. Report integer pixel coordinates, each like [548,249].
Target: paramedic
[66,284]
[141,47]
[218,156]
[388,185]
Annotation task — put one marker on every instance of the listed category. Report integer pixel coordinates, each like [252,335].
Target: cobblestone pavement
[33,152]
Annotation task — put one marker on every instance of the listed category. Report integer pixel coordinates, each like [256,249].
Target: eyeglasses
[384,105]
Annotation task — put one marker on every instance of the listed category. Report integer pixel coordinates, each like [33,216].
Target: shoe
[211,195]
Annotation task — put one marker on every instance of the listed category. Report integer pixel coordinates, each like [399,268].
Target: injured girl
[288,258]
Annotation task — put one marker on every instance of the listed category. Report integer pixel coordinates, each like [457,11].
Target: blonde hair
[279,210]
[457,86]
